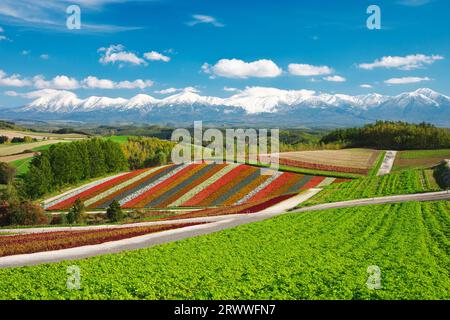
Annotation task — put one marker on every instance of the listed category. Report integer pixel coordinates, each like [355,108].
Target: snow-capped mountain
[251,105]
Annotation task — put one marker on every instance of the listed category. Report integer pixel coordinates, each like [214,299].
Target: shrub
[7,173]
[22,213]
[75,214]
[114,212]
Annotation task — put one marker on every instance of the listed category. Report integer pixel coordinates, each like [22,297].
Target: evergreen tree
[114,212]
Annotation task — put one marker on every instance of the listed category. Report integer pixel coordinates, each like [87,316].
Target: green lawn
[404,182]
[312,255]
[118,139]
[21,165]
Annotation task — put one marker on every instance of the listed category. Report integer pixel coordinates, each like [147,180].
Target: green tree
[114,212]
[7,173]
[76,212]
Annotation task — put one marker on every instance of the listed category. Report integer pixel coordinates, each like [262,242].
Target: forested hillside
[392,135]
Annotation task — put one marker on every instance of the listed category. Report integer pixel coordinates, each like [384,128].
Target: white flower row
[79,190]
[325,182]
[259,188]
[151,185]
[203,185]
[120,186]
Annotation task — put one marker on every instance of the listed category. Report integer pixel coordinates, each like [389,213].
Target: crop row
[318,166]
[47,241]
[190,185]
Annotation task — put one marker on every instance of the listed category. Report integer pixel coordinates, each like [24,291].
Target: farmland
[187,185]
[333,249]
[420,158]
[358,161]
[405,182]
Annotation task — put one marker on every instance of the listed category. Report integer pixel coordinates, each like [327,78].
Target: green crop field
[313,255]
[118,139]
[405,182]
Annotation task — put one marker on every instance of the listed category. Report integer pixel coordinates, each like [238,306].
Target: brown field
[40,135]
[17,156]
[351,158]
[14,149]
[419,159]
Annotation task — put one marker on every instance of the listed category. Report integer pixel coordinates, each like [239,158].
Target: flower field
[188,185]
[46,241]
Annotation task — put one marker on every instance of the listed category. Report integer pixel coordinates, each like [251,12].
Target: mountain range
[251,106]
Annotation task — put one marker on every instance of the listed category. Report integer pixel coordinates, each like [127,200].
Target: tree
[7,173]
[114,212]
[76,212]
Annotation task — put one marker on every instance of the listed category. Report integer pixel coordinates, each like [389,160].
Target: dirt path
[388,162]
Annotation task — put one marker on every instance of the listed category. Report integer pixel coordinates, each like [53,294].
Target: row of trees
[392,135]
[25,139]
[68,163]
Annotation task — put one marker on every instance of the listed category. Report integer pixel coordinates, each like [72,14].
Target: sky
[217,48]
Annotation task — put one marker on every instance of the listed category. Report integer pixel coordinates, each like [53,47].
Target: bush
[22,213]
[114,212]
[7,173]
[76,213]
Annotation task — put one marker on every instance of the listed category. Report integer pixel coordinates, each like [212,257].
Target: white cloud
[234,68]
[414,3]
[306,70]
[58,82]
[229,89]
[25,52]
[406,80]
[156,56]
[366,86]
[116,53]
[44,56]
[3,38]
[335,79]
[200,18]
[175,90]
[409,62]
[11,93]
[14,80]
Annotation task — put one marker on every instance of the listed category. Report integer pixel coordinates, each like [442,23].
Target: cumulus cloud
[44,56]
[235,68]
[229,89]
[14,80]
[11,93]
[117,54]
[156,56]
[366,86]
[307,70]
[58,82]
[92,82]
[335,79]
[204,19]
[406,80]
[409,62]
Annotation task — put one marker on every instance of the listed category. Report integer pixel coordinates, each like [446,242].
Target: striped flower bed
[47,241]
[189,185]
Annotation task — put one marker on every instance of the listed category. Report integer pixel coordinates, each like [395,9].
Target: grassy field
[21,165]
[313,255]
[419,158]
[10,149]
[353,158]
[405,182]
[118,139]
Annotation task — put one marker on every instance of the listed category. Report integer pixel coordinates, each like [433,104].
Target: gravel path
[388,162]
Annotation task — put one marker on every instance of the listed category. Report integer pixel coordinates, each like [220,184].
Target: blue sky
[161,45]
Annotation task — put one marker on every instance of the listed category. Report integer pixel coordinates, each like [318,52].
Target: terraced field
[313,255]
[188,185]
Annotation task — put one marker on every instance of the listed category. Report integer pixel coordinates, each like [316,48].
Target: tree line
[392,135]
[68,163]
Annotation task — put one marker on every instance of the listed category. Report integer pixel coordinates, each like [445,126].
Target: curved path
[217,223]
